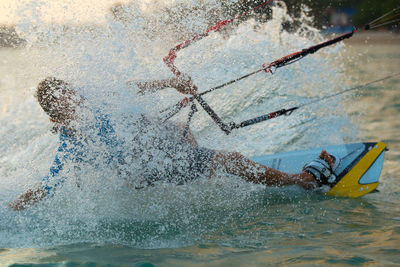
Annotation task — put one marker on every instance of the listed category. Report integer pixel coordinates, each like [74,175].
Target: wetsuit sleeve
[51,181]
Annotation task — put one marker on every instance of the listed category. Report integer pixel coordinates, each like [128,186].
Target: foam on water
[99,62]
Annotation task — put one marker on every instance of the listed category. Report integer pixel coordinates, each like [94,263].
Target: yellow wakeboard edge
[349,185]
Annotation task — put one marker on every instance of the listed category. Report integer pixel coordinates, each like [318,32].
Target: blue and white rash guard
[159,150]
[74,148]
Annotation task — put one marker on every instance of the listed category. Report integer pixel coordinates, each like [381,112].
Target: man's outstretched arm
[48,185]
[28,198]
[237,164]
[182,83]
[251,171]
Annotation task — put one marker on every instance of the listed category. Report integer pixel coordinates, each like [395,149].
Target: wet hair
[48,92]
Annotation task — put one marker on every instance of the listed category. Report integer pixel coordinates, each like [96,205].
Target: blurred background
[331,16]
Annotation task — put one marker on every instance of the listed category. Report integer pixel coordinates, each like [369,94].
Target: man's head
[57,99]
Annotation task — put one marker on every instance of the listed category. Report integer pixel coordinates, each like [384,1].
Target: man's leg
[237,164]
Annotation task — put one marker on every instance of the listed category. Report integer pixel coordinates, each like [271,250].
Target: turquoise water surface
[216,222]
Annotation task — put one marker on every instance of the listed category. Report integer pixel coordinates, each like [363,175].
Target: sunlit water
[219,221]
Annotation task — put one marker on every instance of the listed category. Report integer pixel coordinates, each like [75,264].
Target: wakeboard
[357,174]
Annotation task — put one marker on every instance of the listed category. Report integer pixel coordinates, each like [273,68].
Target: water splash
[99,61]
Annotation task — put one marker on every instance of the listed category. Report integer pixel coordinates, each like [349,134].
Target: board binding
[357,174]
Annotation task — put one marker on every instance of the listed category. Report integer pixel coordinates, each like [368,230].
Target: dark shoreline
[9,37]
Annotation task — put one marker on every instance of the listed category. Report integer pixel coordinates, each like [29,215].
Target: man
[186,161]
